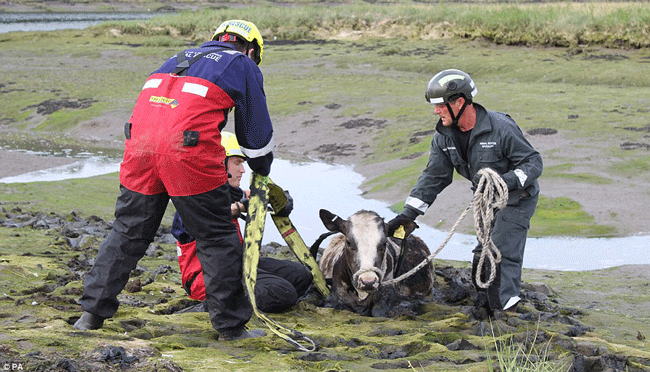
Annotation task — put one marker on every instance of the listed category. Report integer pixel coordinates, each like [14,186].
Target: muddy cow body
[364,255]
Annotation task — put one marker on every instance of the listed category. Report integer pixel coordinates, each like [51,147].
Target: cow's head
[366,247]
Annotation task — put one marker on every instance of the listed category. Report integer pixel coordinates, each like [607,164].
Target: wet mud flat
[46,255]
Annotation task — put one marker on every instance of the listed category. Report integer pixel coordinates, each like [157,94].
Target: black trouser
[207,217]
[279,284]
[509,235]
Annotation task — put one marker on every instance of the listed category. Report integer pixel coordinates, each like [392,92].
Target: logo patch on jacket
[164,100]
[488,145]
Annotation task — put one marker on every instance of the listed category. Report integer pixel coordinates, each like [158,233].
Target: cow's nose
[368,281]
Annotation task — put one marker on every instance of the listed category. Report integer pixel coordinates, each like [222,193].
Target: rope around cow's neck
[491,193]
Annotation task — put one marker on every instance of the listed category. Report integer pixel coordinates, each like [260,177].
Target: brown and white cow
[364,255]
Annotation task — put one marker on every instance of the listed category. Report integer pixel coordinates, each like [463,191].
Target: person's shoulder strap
[182,63]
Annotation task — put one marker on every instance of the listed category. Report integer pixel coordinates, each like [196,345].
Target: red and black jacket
[173,139]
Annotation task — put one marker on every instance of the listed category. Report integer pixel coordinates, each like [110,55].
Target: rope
[491,192]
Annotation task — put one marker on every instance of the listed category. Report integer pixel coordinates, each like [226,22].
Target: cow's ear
[331,221]
[393,225]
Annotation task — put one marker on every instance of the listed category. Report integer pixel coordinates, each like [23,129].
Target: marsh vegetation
[344,82]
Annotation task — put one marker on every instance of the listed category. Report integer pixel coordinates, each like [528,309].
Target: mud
[51,106]
[447,328]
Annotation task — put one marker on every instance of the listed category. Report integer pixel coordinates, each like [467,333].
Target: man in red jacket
[173,151]
[279,283]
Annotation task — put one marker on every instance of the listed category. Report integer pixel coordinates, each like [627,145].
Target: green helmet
[448,83]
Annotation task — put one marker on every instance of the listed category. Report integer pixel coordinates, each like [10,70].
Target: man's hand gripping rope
[490,194]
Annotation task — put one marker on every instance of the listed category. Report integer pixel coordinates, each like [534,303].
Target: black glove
[404,221]
[280,200]
[475,181]
[288,207]
[400,219]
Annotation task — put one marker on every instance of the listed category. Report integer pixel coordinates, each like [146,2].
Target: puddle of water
[314,186]
[10,22]
[83,168]
[334,187]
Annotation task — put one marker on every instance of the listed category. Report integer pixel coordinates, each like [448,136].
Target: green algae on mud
[94,195]
[36,316]
[41,280]
[43,264]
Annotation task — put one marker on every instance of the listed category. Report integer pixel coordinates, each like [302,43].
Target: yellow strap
[300,250]
[257,207]
[278,200]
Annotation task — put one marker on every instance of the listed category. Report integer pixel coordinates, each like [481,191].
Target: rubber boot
[493,302]
[240,334]
[88,322]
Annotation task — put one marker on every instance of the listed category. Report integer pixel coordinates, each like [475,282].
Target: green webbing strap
[257,207]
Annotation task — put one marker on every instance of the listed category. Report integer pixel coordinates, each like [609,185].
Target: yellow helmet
[244,29]
[229,142]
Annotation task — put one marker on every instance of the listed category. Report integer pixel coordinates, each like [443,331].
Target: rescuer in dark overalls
[173,151]
[279,283]
[468,138]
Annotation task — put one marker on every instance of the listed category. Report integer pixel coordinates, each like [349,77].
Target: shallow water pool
[336,187]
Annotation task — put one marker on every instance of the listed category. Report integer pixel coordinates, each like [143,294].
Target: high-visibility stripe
[521,176]
[153,83]
[257,153]
[193,88]
[417,204]
[445,79]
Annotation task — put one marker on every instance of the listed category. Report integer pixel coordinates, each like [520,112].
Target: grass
[95,195]
[521,356]
[549,24]
[90,196]
[374,61]
[563,217]
[566,171]
[631,167]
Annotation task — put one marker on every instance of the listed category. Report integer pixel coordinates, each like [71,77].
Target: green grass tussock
[548,24]
[550,211]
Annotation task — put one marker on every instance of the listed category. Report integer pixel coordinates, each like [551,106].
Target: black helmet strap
[454,118]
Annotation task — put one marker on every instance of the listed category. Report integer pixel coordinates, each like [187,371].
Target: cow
[358,260]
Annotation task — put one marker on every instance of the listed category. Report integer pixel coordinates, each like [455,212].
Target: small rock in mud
[638,129]
[462,344]
[634,146]
[336,149]
[133,286]
[363,123]
[541,131]
[53,105]
[117,355]
[333,106]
